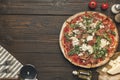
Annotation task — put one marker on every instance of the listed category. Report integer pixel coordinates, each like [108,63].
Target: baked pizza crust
[88,65]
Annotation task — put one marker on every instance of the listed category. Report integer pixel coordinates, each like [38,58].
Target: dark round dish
[28,72]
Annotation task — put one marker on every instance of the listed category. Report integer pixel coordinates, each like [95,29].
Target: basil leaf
[96,46]
[88,20]
[67,36]
[72,51]
[75,50]
[98,25]
[98,41]
[101,53]
[106,36]
[112,32]
[74,26]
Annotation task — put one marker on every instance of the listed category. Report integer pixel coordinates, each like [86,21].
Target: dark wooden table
[29,30]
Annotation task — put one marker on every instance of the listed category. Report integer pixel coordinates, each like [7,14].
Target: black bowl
[28,72]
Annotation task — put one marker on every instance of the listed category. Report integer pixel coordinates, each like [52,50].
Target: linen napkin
[9,65]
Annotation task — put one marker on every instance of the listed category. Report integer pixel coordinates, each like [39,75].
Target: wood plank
[49,66]
[27,46]
[42,59]
[61,74]
[54,7]
[31,33]
[22,27]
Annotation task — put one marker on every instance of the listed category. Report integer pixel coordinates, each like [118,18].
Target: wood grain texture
[51,7]
[29,29]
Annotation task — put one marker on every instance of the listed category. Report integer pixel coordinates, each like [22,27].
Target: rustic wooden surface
[29,30]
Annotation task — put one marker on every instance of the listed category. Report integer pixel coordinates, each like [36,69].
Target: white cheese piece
[84,21]
[114,70]
[83,40]
[93,34]
[102,26]
[77,22]
[75,41]
[82,26]
[83,61]
[107,43]
[106,55]
[90,49]
[93,25]
[89,38]
[104,42]
[76,31]
[81,54]
[86,47]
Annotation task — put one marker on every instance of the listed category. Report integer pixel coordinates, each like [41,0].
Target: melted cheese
[82,26]
[75,41]
[90,49]
[93,25]
[89,38]
[76,31]
[102,26]
[81,54]
[86,47]
[104,42]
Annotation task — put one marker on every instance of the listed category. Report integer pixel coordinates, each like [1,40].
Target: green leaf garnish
[74,25]
[75,50]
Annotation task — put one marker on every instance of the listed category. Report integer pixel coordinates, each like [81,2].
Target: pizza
[88,39]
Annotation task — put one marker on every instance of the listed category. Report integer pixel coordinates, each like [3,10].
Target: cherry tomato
[112,26]
[104,6]
[75,58]
[112,40]
[92,4]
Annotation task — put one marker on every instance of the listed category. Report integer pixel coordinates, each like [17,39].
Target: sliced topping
[83,40]
[104,42]
[74,26]
[89,38]
[86,47]
[99,48]
[67,36]
[82,25]
[85,36]
[74,50]
[76,31]
[75,41]
[102,26]
[93,34]
[101,53]
[90,49]
[98,25]
[87,20]
[93,25]
[81,54]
